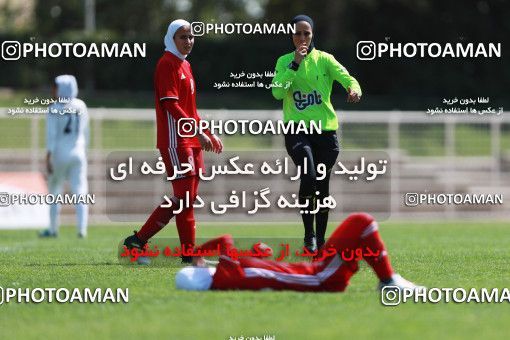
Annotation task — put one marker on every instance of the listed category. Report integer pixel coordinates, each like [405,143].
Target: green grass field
[434,254]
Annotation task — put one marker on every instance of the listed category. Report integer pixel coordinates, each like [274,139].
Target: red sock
[381,264]
[185,222]
[156,221]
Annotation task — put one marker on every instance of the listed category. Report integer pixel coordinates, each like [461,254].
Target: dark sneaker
[320,243]
[186,259]
[320,251]
[134,242]
[47,234]
[310,244]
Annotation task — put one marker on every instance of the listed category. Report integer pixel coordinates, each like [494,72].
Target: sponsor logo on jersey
[303,100]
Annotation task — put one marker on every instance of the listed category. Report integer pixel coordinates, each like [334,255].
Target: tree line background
[387,83]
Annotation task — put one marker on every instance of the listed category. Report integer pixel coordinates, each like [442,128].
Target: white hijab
[67,87]
[194,278]
[169,37]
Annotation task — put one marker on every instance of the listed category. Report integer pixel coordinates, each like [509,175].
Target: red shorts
[174,158]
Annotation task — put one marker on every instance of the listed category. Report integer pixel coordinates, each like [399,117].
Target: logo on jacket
[303,100]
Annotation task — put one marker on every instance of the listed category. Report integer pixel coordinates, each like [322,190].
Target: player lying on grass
[332,274]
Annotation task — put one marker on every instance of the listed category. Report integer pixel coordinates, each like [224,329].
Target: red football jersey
[174,80]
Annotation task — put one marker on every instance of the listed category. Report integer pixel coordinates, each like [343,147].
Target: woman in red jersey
[175,100]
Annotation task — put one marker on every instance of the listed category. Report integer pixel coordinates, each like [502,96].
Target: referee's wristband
[293,65]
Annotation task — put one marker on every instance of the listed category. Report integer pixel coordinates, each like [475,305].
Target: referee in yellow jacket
[303,80]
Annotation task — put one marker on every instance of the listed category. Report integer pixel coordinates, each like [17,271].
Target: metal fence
[429,154]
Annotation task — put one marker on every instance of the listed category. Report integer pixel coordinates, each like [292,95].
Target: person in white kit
[67,136]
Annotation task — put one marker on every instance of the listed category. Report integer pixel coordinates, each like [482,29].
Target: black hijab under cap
[309,20]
